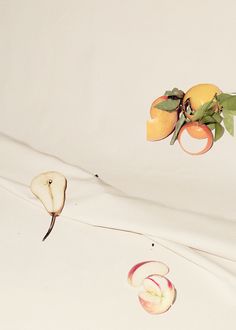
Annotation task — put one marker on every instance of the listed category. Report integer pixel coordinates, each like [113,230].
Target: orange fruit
[200,94]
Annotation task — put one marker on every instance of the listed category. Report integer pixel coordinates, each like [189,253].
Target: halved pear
[50,188]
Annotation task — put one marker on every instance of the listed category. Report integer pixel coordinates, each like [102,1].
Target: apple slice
[158,295]
[144,269]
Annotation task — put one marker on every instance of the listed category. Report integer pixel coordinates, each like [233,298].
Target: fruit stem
[184,111]
[51,226]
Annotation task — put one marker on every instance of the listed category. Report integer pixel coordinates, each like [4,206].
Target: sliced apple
[140,271]
[158,294]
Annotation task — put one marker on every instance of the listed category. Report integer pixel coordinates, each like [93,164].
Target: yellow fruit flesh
[162,125]
[200,94]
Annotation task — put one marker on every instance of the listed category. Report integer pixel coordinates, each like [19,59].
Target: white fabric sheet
[77,80]
[77,278]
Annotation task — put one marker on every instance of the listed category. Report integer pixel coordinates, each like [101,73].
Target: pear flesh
[50,188]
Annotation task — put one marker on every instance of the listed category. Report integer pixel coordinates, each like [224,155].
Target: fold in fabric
[89,200]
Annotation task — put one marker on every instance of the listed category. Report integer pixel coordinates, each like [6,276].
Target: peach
[154,111]
[195,138]
[200,94]
[197,131]
[162,122]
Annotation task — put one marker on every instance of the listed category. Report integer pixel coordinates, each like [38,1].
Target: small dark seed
[153,244]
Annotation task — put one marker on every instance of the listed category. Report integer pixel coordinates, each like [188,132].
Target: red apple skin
[151,279]
[133,269]
[170,286]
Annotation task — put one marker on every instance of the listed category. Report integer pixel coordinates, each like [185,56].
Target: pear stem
[51,226]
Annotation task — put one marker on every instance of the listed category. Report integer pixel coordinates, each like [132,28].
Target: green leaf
[212,126]
[199,114]
[178,126]
[175,92]
[229,112]
[229,123]
[222,97]
[229,104]
[168,105]
[217,117]
[219,131]
[168,93]
[209,112]
[214,118]
[208,120]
